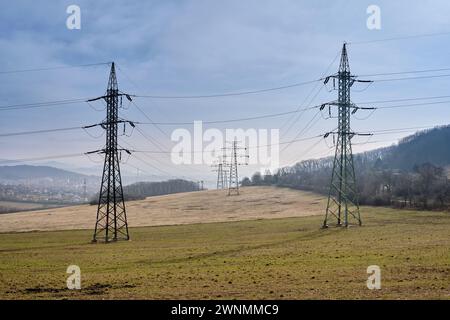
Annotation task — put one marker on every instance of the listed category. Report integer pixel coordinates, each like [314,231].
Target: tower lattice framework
[111,223]
[233,185]
[343,204]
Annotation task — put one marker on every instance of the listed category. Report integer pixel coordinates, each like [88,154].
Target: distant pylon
[111,223]
[233,182]
[225,176]
[220,181]
[220,168]
[343,202]
[225,170]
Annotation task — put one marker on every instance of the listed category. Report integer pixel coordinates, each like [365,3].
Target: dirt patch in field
[184,208]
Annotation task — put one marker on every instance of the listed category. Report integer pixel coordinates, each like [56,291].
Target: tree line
[392,176]
[141,190]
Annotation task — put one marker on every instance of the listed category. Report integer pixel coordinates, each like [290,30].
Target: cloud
[201,47]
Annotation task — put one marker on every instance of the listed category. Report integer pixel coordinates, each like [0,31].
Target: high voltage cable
[404,99]
[150,119]
[158,123]
[376,132]
[308,96]
[413,105]
[305,128]
[149,138]
[400,38]
[230,94]
[60,156]
[273,115]
[403,72]
[38,131]
[41,104]
[412,78]
[72,101]
[250,147]
[152,166]
[54,68]
[219,121]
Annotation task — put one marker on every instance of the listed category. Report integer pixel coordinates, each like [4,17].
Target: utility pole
[233,183]
[343,202]
[111,223]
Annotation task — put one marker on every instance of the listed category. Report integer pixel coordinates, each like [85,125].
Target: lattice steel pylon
[111,223]
[220,180]
[220,167]
[225,170]
[233,181]
[233,185]
[343,202]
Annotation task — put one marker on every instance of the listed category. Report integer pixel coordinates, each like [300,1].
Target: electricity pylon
[225,170]
[220,175]
[343,194]
[233,182]
[220,167]
[111,223]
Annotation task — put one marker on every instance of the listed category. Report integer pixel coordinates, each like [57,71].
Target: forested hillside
[411,173]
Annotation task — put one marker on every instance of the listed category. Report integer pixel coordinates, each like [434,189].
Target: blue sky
[205,47]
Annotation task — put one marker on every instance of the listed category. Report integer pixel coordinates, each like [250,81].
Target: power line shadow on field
[310,236]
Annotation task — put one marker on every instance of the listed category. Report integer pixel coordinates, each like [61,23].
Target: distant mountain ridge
[26,172]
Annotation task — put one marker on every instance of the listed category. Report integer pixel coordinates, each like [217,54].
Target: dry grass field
[280,258]
[181,208]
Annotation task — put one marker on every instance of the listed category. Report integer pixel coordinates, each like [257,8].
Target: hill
[180,208]
[410,174]
[427,146]
[28,172]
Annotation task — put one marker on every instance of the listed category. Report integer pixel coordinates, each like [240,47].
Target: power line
[249,147]
[38,131]
[412,78]
[403,72]
[60,156]
[305,128]
[72,155]
[405,99]
[41,104]
[150,119]
[272,115]
[310,93]
[413,105]
[230,94]
[54,68]
[153,141]
[400,38]
[152,166]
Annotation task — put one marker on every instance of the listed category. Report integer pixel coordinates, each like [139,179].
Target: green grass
[266,259]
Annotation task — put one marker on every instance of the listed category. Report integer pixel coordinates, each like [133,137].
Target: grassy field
[289,258]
